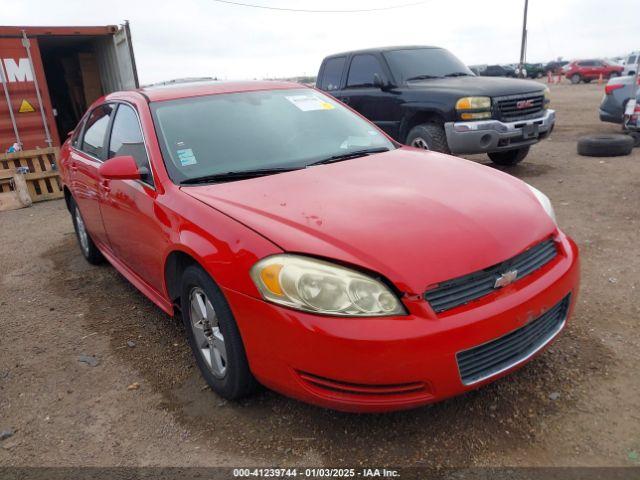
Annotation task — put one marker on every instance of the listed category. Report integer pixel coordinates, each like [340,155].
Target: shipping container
[50,75]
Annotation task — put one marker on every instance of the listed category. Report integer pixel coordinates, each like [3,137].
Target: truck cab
[427,98]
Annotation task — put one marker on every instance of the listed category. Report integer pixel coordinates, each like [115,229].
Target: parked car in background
[555,67]
[315,255]
[631,63]
[588,70]
[427,98]
[618,92]
[534,70]
[498,71]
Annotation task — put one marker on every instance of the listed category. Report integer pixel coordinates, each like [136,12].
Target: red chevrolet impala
[307,251]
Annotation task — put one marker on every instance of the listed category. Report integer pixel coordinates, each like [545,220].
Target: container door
[116,61]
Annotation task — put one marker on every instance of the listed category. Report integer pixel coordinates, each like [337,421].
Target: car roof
[173,91]
[379,49]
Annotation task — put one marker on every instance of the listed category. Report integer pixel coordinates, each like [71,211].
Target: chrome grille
[486,360]
[462,290]
[518,107]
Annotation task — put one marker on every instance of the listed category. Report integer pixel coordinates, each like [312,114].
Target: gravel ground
[578,404]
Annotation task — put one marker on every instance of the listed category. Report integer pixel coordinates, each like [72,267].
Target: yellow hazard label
[26,107]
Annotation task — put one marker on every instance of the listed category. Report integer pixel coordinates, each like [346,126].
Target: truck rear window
[332,74]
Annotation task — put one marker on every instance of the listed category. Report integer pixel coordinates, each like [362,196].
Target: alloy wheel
[206,332]
[83,236]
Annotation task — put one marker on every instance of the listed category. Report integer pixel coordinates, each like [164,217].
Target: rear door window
[362,70]
[95,131]
[332,74]
[127,139]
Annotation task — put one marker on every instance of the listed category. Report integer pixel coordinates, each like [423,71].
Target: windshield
[422,63]
[274,129]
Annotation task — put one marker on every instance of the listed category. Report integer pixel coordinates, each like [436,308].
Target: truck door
[380,106]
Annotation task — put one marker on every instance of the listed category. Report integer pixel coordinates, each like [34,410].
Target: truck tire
[429,136]
[576,78]
[509,157]
[605,145]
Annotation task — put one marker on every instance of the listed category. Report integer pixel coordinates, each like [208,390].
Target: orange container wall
[22,92]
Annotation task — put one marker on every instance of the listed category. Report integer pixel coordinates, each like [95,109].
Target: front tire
[429,136]
[509,157]
[89,250]
[575,78]
[214,336]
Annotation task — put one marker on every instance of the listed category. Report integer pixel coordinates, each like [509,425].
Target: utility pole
[523,45]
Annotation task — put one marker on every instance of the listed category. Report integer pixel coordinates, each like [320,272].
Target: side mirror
[123,167]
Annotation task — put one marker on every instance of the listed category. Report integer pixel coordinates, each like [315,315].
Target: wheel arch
[419,117]
[68,198]
[175,264]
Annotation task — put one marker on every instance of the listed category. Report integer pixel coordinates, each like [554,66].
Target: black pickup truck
[427,98]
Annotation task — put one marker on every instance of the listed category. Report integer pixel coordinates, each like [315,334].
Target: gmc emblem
[524,104]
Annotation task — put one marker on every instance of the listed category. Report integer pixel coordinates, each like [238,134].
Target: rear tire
[605,145]
[576,79]
[214,336]
[509,157]
[89,250]
[429,136]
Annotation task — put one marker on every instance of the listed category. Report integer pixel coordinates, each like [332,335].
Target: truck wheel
[576,78]
[605,145]
[509,157]
[430,136]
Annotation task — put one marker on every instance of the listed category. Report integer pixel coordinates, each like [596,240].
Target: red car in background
[307,251]
[588,70]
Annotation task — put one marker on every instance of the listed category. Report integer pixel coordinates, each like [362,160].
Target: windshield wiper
[349,155]
[458,74]
[240,175]
[422,77]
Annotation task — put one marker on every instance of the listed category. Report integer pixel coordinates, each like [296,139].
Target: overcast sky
[185,38]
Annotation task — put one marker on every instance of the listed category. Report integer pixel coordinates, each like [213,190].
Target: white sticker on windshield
[186,157]
[309,103]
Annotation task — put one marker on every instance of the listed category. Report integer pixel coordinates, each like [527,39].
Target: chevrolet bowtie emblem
[506,278]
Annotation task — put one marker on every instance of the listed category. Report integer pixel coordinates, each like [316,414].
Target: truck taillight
[610,88]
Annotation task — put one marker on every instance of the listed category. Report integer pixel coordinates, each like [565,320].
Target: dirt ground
[577,404]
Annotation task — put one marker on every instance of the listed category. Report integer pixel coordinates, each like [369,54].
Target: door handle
[73,167]
[104,185]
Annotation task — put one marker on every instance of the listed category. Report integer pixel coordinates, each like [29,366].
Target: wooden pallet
[43,181]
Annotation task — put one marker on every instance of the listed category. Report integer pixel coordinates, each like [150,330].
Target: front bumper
[382,364]
[493,135]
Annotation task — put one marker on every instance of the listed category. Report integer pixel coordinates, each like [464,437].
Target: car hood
[416,217]
[479,86]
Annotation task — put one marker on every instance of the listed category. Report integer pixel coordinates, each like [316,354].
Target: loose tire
[429,136]
[509,157]
[214,336]
[89,250]
[605,145]
[636,138]
[575,78]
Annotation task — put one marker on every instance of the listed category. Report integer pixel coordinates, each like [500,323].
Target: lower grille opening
[491,358]
[362,389]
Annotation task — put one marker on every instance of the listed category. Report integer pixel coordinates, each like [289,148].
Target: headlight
[317,286]
[545,202]
[547,97]
[473,103]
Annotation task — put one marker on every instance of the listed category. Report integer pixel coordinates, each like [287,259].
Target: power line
[282,9]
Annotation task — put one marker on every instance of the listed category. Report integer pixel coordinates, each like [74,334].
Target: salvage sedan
[308,252]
